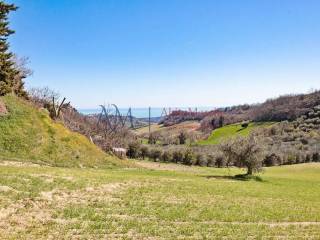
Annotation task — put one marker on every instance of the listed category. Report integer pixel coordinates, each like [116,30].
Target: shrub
[311,114]
[273,130]
[211,160]
[177,156]
[188,157]
[308,157]
[290,159]
[201,160]
[182,137]
[220,161]
[245,124]
[194,136]
[133,150]
[153,138]
[166,156]
[298,158]
[155,154]
[271,160]
[221,121]
[168,139]
[316,157]
[144,151]
[304,141]
[317,108]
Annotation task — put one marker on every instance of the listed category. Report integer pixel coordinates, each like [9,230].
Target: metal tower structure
[112,119]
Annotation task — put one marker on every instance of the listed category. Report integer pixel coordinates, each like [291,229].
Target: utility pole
[149,121]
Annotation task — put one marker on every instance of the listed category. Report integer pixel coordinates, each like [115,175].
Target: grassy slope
[222,133]
[144,130]
[67,203]
[174,129]
[28,134]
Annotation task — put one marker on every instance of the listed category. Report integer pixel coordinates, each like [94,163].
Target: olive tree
[144,151]
[243,152]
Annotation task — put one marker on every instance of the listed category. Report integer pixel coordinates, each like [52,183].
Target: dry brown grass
[174,130]
[33,213]
[3,109]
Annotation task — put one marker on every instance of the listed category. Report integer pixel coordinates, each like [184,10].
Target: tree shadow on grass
[239,177]
[241,129]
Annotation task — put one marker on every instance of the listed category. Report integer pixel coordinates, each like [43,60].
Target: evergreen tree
[10,76]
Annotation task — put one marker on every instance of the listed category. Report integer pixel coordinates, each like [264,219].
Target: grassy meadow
[158,201]
[231,130]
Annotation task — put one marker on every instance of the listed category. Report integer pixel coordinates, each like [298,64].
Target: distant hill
[29,134]
[288,107]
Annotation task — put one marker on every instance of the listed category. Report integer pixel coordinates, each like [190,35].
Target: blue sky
[170,52]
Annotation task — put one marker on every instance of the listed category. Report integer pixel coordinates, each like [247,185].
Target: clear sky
[170,52]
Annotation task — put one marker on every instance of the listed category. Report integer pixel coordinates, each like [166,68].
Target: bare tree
[22,72]
[56,108]
[43,95]
[20,63]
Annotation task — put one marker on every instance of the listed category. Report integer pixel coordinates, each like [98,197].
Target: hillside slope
[232,130]
[29,134]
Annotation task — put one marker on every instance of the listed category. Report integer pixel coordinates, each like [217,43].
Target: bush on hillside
[153,138]
[155,154]
[177,156]
[211,160]
[245,124]
[182,137]
[201,160]
[271,160]
[316,157]
[144,152]
[188,157]
[166,156]
[220,161]
[133,150]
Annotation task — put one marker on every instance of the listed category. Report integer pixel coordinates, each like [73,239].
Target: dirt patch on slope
[17,164]
[3,109]
[166,166]
[6,189]
[173,130]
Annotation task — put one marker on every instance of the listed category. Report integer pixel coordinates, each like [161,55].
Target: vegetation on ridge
[29,134]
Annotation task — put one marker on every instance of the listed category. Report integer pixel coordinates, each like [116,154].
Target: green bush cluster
[185,155]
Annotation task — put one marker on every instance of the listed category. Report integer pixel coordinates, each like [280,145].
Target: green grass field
[231,130]
[39,202]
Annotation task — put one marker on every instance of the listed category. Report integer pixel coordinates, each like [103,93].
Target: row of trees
[240,152]
[280,144]
[168,138]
